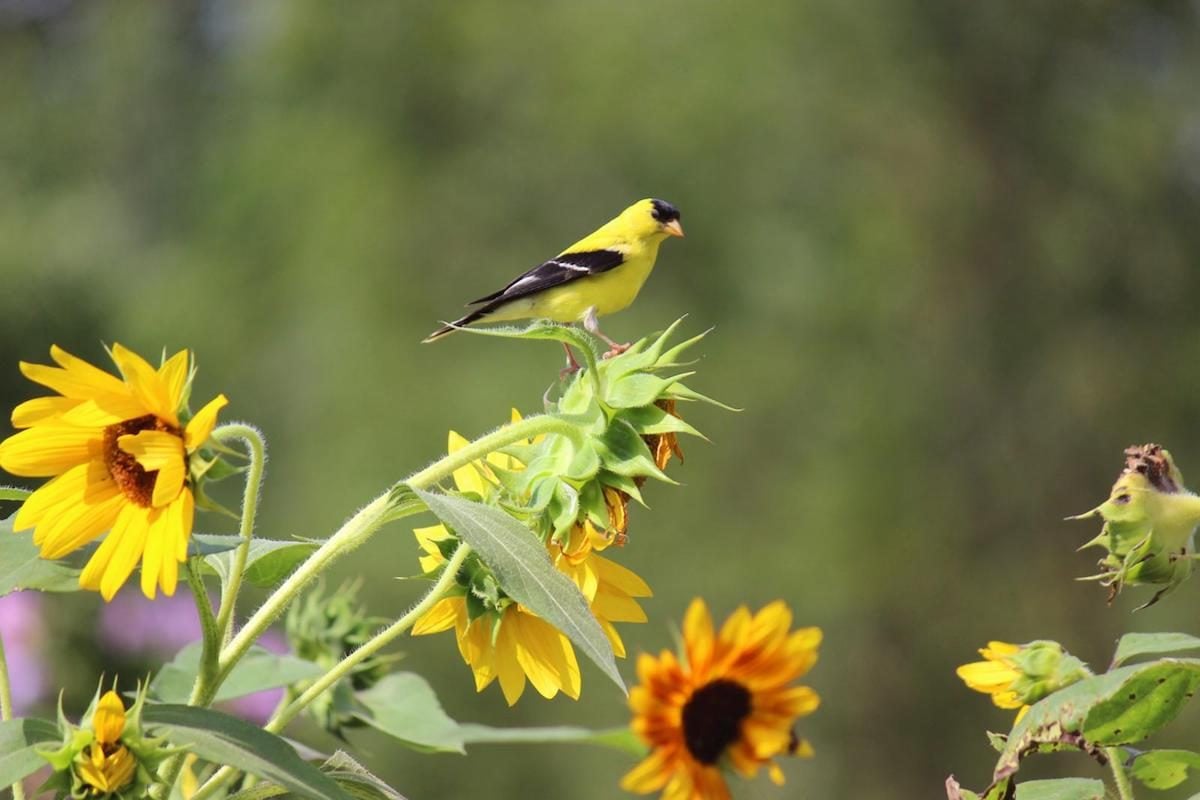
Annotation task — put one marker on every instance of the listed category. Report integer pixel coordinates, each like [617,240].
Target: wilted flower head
[1149,525]
[107,754]
[120,452]
[499,638]
[1016,676]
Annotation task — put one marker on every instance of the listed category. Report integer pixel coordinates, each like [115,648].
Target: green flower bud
[1017,676]
[1149,525]
[325,629]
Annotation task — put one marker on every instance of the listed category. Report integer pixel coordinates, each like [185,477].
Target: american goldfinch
[598,275]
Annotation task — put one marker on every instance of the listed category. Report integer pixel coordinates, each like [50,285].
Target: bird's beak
[674,228]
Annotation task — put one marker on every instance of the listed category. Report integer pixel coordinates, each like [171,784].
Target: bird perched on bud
[600,274]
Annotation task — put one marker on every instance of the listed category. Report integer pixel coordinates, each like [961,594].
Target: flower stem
[286,713]
[1116,762]
[362,525]
[6,711]
[257,447]
[203,687]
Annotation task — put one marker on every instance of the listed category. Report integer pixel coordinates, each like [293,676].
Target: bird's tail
[461,322]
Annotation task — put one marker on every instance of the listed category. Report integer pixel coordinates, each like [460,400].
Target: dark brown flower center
[712,719]
[136,483]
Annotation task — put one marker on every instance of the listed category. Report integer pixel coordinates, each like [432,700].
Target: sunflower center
[136,483]
[712,719]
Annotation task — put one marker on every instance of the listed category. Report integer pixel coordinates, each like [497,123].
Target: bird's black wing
[556,271]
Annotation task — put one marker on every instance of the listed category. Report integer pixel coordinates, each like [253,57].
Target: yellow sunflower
[996,675]
[106,765]
[1018,675]
[729,702]
[521,646]
[117,452]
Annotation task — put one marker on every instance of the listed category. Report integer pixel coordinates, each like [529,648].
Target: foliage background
[950,251]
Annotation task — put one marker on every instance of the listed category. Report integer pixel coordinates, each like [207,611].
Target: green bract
[1045,667]
[1149,525]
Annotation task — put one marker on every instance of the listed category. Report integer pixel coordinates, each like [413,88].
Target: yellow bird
[600,274]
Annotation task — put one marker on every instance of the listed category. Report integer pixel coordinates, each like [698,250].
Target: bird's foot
[616,349]
[572,365]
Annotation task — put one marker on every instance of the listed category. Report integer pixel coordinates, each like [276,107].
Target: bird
[599,275]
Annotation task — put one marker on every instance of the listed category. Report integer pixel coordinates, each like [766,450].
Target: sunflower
[1018,675]
[727,702]
[514,645]
[117,451]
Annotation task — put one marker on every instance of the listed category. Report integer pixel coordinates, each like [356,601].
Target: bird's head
[652,217]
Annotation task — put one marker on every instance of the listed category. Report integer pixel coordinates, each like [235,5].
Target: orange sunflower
[117,451]
[729,702]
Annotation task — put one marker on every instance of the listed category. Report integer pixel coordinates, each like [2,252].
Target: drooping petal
[146,385]
[200,427]
[47,450]
[162,452]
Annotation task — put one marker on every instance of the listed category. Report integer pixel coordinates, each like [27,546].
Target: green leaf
[520,562]
[357,780]
[13,493]
[347,773]
[1162,769]
[1132,645]
[1117,707]
[18,738]
[638,389]
[404,706]
[1061,789]
[268,562]
[625,453]
[1145,701]
[622,739]
[259,669]
[583,342]
[21,567]
[223,739]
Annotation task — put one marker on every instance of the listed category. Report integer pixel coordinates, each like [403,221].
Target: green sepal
[624,453]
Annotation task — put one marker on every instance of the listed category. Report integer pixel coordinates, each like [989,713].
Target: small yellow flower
[729,702]
[1018,675]
[995,675]
[117,451]
[518,646]
[106,765]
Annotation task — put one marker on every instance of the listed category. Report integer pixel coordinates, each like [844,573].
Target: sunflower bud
[106,755]
[325,629]
[1016,676]
[1149,525]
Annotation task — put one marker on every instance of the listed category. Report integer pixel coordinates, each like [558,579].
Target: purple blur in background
[21,630]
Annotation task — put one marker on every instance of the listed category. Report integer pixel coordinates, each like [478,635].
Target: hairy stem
[1116,762]
[6,711]
[257,447]
[286,713]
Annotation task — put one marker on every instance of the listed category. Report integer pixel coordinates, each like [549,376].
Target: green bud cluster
[623,409]
[1149,527]
[325,628]
[1044,667]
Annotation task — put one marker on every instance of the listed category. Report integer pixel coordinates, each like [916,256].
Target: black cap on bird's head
[667,216]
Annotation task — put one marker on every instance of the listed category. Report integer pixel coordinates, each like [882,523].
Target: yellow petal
[49,449]
[66,489]
[146,385]
[116,556]
[41,409]
[108,721]
[70,527]
[162,452]
[441,617]
[200,427]
[508,669]
[183,512]
[74,377]
[650,775]
[173,375]
[621,578]
[698,636]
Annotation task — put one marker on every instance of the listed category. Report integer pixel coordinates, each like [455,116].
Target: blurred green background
[950,251]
